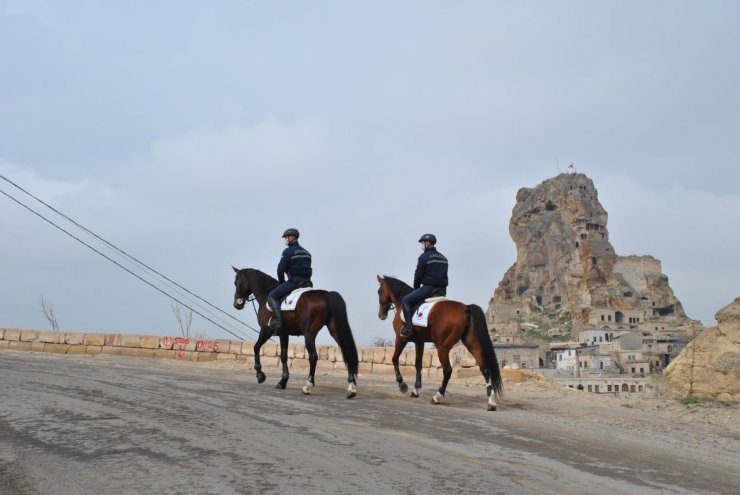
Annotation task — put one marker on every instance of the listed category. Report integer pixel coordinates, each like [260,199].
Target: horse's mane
[398,287]
[264,281]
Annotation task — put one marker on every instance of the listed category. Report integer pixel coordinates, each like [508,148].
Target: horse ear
[235,269]
[380,279]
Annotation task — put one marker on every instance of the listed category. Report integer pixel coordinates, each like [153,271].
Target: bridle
[390,305]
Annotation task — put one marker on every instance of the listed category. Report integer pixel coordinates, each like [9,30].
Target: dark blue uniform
[296,263]
[431,273]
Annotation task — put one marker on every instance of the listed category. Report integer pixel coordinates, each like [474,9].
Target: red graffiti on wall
[180,345]
[207,345]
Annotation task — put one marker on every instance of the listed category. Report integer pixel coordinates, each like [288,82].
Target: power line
[120,250]
[117,263]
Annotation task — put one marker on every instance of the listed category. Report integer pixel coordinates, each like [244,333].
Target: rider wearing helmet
[296,263]
[431,274]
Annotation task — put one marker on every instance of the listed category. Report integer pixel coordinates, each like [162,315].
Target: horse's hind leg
[419,362]
[400,344]
[444,358]
[313,356]
[284,338]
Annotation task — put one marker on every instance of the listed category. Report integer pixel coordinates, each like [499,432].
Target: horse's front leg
[444,359]
[265,334]
[313,356]
[400,345]
[419,361]
[284,339]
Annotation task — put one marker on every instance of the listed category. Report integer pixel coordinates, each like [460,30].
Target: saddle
[437,295]
[421,309]
[289,302]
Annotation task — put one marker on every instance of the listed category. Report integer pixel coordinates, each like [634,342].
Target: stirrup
[275,324]
[407,332]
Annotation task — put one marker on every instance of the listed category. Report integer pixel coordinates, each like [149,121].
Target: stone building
[567,277]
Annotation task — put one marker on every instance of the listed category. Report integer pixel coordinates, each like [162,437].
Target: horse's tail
[338,313]
[489,354]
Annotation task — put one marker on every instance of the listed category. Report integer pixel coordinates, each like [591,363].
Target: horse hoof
[491,407]
[437,398]
[403,387]
[351,391]
[280,385]
[261,377]
[415,394]
[306,390]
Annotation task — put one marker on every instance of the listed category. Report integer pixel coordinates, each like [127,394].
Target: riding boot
[408,328]
[276,322]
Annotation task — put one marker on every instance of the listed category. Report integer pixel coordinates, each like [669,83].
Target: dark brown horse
[314,310]
[448,323]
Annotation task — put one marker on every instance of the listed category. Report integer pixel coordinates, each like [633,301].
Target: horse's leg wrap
[308,387]
[491,397]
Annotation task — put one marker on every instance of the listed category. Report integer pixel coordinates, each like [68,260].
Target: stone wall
[634,270]
[372,360]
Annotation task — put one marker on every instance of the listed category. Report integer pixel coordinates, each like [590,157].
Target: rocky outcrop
[710,365]
[567,274]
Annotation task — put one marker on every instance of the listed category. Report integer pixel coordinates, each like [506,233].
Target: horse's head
[242,289]
[385,298]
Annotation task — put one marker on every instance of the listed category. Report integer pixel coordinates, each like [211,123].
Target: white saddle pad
[421,315]
[291,299]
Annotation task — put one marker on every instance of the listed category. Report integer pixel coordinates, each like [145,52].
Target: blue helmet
[429,237]
[293,232]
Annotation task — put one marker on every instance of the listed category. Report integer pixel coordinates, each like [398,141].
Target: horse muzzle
[383,313]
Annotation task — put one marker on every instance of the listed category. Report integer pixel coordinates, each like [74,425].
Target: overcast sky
[191,134]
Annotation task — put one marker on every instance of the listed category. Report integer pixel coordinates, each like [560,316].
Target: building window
[596,389]
[632,388]
[608,388]
[602,317]
[590,388]
[625,388]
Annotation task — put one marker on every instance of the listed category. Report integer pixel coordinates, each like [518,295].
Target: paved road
[111,425]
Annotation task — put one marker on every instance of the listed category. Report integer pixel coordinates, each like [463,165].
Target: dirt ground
[82,424]
[709,429]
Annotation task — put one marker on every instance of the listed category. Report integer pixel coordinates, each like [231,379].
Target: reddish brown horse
[448,323]
[314,310]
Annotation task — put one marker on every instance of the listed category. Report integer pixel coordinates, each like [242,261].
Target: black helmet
[429,237]
[293,232]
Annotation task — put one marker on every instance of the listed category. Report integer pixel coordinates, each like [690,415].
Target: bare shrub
[381,342]
[184,317]
[48,311]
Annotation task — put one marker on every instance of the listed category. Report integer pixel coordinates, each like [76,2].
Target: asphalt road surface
[111,425]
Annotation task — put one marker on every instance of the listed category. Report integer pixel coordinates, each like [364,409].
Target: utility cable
[123,267]
[122,251]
